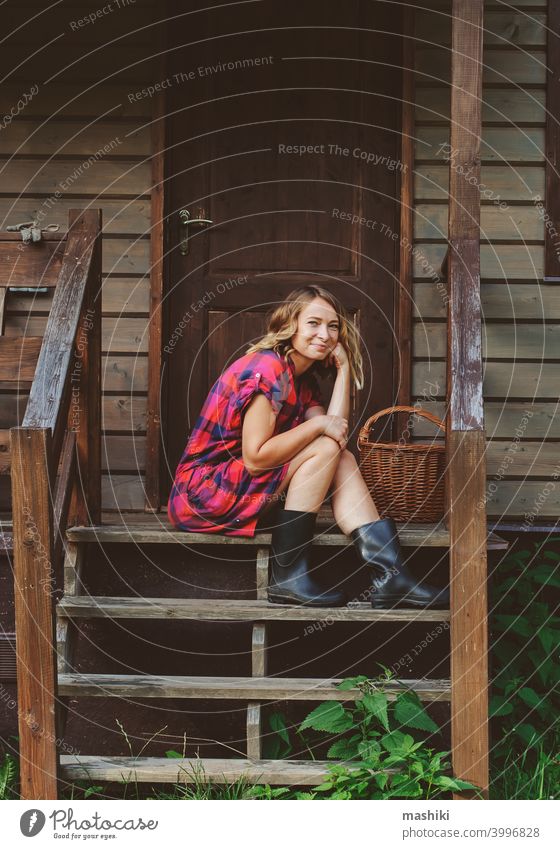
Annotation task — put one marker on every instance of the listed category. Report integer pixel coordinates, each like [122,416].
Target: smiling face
[317,332]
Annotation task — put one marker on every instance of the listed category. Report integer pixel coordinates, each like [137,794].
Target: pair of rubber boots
[377,545]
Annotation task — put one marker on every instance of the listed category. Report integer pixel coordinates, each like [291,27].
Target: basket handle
[364,431]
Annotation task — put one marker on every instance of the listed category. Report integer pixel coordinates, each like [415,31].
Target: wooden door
[283,131]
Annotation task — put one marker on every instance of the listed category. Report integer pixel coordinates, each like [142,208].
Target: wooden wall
[85,75]
[82,141]
[521,330]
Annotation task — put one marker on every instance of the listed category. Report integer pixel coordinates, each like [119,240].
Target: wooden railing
[56,481]
[466,442]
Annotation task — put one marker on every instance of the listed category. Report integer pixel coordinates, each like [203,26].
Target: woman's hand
[337,428]
[338,357]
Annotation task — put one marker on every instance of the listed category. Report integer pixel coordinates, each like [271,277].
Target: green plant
[530,775]
[525,703]
[9,775]
[383,762]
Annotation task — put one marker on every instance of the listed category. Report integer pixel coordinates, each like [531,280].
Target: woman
[263,433]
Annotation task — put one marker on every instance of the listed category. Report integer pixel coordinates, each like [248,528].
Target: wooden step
[185,771]
[410,536]
[255,689]
[99,607]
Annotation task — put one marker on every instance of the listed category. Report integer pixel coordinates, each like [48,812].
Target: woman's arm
[340,399]
[262,451]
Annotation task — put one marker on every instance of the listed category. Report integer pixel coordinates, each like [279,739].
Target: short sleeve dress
[212,490]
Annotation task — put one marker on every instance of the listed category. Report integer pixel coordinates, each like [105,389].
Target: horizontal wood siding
[83,140]
[521,316]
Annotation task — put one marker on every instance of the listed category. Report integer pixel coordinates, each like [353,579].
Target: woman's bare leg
[352,503]
[309,475]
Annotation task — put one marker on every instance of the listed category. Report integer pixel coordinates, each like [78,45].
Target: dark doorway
[283,131]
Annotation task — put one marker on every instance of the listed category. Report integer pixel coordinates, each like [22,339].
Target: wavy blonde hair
[283,322]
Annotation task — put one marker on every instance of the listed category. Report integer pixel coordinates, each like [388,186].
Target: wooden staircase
[256,691]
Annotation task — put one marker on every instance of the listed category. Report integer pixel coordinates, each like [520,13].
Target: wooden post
[85,379]
[157,241]
[33,577]
[551,211]
[405,291]
[466,466]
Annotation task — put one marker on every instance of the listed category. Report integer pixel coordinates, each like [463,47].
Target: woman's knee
[327,448]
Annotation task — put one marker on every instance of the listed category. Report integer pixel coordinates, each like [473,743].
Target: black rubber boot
[393,585]
[290,578]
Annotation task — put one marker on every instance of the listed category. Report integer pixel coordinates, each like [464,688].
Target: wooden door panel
[283,130]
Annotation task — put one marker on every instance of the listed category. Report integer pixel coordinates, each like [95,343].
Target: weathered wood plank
[123,453]
[63,491]
[66,631]
[123,492]
[119,335]
[71,138]
[513,301]
[522,459]
[531,501]
[161,531]
[498,144]
[551,207]
[54,364]
[184,771]
[268,689]
[254,731]
[100,607]
[71,100]
[28,177]
[5,452]
[508,104]
[502,28]
[404,291]
[126,413]
[499,341]
[259,650]
[18,358]
[515,223]
[153,435]
[497,262]
[500,66]
[33,586]
[539,421]
[497,183]
[465,440]
[468,577]
[120,217]
[85,406]
[501,380]
[30,265]
[262,566]
[134,64]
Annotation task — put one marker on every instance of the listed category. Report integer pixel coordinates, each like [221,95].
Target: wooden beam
[47,395]
[30,265]
[157,240]
[403,322]
[33,586]
[551,209]
[85,416]
[466,466]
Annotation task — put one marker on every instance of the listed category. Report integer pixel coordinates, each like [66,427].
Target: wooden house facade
[426,139]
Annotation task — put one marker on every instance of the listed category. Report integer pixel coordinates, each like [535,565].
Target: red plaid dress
[212,491]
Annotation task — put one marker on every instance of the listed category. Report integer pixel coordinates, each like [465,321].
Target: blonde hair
[283,322]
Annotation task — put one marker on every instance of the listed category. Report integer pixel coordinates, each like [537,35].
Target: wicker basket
[406,481]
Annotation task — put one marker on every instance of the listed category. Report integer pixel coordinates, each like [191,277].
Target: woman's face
[317,331]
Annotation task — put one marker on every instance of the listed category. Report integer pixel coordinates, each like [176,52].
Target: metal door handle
[186,222]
